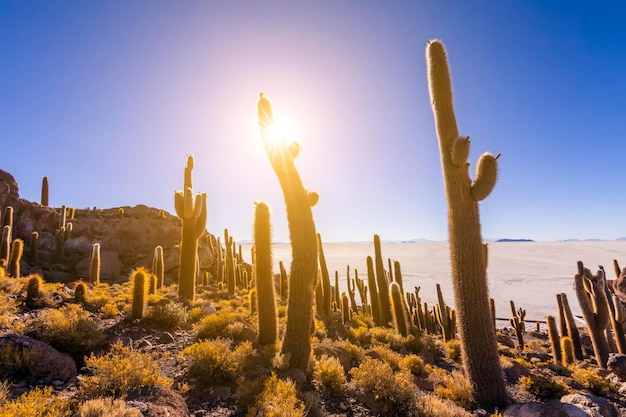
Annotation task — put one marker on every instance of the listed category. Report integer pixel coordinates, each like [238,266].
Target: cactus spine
[268,329]
[594,308]
[140,279]
[94,273]
[478,341]
[303,276]
[17,249]
[193,216]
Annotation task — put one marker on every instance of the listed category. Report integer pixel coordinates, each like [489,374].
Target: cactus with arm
[478,340]
[303,276]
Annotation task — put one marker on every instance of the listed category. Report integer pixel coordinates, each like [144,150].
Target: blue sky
[107,98]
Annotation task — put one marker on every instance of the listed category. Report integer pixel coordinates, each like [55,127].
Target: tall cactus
[193,216]
[5,245]
[569,327]
[140,281]
[325,277]
[594,308]
[478,340]
[303,277]
[374,298]
[383,284]
[398,308]
[34,246]
[158,266]
[44,192]
[94,272]
[268,329]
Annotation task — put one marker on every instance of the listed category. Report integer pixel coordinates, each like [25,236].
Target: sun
[280,131]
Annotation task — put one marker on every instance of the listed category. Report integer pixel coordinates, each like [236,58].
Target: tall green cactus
[17,249]
[94,271]
[140,281]
[303,276]
[326,291]
[44,192]
[594,307]
[383,284]
[158,266]
[374,298]
[478,340]
[268,328]
[398,308]
[34,246]
[193,216]
[5,245]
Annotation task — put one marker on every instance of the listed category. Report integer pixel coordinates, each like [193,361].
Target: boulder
[22,355]
[552,408]
[159,401]
[617,365]
[594,406]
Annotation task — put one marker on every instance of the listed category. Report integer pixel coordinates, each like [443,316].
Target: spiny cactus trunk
[303,277]
[268,330]
[478,340]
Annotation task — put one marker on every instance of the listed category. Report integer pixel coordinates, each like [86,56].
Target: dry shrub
[169,315]
[68,329]
[594,382]
[109,310]
[542,387]
[120,371]
[414,365]
[455,387]
[107,407]
[278,399]
[212,361]
[36,403]
[394,392]
[329,374]
[453,349]
[432,406]
[215,325]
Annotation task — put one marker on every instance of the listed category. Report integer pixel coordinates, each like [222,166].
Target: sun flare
[280,131]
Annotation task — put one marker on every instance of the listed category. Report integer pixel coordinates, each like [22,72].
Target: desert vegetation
[237,338]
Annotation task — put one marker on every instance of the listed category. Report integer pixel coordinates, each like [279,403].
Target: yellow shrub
[396,392]
[36,403]
[455,387]
[453,349]
[68,329]
[215,325]
[169,315]
[543,387]
[329,374]
[593,382]
[107,407]
[414,365]
[109,310]
[278,399]
[119,371]
[211,361]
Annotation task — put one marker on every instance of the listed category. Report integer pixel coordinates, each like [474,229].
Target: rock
[617,365]
[552,408]
[513,370]
[594,406]
[38,359]
[127,240]
[161,401]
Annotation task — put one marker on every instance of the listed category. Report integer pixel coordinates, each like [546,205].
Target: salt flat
[529,273]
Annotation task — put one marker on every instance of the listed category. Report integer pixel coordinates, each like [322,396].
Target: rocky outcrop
[127,237]
[22,355]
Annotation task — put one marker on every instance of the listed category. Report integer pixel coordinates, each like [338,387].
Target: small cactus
[33,290]
[80,293]
[34,245]
[17,249]
[140,280]
[44,192]
[567,349]
[158,266]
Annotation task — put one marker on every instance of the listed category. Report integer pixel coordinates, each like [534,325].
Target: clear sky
[107,98]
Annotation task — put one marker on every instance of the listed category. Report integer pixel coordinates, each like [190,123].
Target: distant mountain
[514,240]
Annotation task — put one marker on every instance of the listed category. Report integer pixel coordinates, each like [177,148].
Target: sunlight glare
[280,131]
